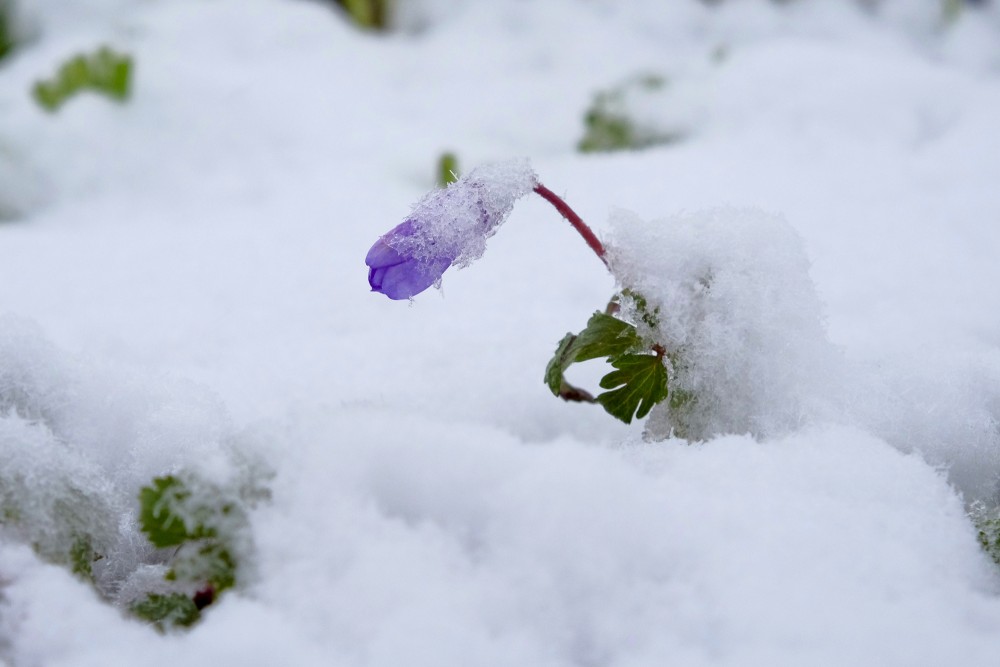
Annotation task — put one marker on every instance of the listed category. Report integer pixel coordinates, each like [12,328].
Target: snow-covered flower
[447,227]
[398,275]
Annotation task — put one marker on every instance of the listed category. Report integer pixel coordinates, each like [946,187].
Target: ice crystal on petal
[447,227]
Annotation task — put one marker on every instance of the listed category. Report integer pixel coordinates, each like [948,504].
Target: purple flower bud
[446,227]
[400,276]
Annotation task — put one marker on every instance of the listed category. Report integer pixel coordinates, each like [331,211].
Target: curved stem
[578,224]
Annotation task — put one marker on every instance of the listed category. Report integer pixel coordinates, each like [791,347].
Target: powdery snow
[184,286]
[739,315]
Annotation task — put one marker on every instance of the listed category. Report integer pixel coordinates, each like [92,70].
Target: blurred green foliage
[368,14]
[950,10]
[447,170]
[7,40]
[104,71]
[167,611]
[609,125]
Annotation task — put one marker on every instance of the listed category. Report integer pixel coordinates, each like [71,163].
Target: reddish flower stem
[578,224]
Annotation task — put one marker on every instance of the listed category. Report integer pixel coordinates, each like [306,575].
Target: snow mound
[945,406]
[738,316]
[131,427]
[78,442]
[52,498]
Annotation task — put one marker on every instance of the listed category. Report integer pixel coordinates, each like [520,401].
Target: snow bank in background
[739,317]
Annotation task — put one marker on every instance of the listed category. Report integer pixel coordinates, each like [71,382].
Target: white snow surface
[183,288]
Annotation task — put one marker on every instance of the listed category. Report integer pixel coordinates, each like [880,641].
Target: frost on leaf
[987,523]
[202,521]
[54,499]
[169,516]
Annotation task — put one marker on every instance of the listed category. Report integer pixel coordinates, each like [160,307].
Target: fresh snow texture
[739,315]
[183,292]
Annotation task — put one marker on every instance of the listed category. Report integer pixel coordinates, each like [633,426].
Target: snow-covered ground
[183,287]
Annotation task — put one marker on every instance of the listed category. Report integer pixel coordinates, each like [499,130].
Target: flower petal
[409,278]
[382,255]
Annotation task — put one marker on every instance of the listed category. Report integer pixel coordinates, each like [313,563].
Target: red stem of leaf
[204,597]
[578,224]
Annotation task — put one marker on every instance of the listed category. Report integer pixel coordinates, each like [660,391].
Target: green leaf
[75,74]
[164,514]
[202,522]
[82,557]
[207,562]
[650,318]
[987,521]
[7,38]
[104,71]
[610,125]
[369,14]
[604,336]
[174,609]
[641,381]
[47,95]
[447,169]
[558,364]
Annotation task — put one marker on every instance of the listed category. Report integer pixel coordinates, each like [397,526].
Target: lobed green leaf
[165,515]
[641,381]
[209,561]
[605,336]
[104,71]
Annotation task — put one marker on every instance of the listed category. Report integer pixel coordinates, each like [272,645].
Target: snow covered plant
[715,326]
[205,528]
